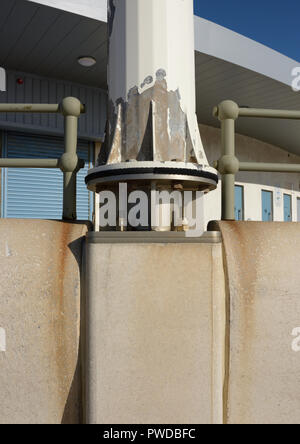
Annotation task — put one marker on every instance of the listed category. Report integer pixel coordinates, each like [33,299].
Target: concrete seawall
[40,320]
[177,330]
[263,366]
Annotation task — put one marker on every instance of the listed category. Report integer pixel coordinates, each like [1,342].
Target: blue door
[267,206]
[37,193]
[239,203]
[287,208]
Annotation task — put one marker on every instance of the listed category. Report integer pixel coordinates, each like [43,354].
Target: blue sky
[274,23]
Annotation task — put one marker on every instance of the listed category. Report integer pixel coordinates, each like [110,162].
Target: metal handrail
[228,165]
[69,163]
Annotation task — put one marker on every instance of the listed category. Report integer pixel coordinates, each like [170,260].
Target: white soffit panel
[96,9]
[210,38]
[224,44]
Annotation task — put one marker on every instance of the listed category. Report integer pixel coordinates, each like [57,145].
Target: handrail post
[71,109]
[228,165]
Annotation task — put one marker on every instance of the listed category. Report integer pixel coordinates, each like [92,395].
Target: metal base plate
[191,176]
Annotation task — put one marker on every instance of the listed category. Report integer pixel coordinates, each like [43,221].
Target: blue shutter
[287,208]
[37,193]
[267,206]
[239,203]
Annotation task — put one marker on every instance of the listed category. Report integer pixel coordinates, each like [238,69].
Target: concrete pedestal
[155,322]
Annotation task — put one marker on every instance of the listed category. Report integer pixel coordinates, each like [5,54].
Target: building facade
[42,67]
[259,196]
[37,193]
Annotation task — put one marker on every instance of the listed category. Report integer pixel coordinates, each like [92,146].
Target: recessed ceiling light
[87,61]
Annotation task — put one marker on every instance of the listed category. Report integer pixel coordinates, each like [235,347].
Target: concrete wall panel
[262,261]
[39,321]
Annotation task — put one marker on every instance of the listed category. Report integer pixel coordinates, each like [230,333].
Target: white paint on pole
[159,35]
[150,41]
[2,340]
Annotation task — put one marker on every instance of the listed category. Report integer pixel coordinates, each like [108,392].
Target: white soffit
[210,38]
[95,9]
[224,44]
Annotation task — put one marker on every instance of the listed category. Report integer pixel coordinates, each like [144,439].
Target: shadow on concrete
[74,408]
